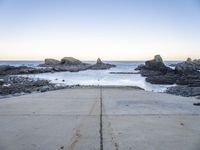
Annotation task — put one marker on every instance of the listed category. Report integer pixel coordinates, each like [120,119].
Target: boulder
[186,67]
[70,61]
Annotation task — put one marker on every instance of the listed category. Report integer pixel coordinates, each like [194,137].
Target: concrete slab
[151,132]
[64,119]
[70,119]
[140,120]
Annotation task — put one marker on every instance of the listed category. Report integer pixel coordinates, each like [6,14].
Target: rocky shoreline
[18,85]
[186,75]
[52,65]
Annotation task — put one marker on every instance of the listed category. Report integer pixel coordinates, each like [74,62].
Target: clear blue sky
[110,29]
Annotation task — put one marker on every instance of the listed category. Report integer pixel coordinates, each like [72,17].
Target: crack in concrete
[101,120]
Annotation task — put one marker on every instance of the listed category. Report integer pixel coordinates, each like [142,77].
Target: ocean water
[97,77]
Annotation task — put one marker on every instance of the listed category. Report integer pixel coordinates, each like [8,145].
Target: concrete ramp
[99,119]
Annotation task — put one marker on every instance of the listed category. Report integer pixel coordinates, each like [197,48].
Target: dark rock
[44,89]
[100,65]
[70,61]
[154,67]
[197,63]
[198,97]
[189,66]
[196,104]
[184,90]
[50,62]
[192,79]
[189,59]
[140,67]
[156,64]
[1,81]
[147,73]
[124,72]
[17,84]
[186,67]
[162,79]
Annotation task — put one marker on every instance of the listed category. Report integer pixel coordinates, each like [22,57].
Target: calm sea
[97,77]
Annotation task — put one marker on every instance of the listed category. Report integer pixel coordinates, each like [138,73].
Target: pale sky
[109,29]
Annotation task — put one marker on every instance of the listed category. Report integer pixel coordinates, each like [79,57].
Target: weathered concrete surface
[139,120]
[49,121]
[70,119]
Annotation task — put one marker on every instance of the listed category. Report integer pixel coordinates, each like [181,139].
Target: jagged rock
[154,67]
[100,65]
[185,75]
[156,64]
[99,61]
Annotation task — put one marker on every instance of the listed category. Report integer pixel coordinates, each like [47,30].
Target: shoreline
[68,87]
[56,88]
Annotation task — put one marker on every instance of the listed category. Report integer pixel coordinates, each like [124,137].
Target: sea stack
[101,65]
[155,66]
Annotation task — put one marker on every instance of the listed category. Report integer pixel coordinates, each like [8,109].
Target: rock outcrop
[12,70]
[70,61]
[185,75]
[154,67]
[50,62]
[100,65]
[157,72]
[184,90]
[52,65]
[187,67]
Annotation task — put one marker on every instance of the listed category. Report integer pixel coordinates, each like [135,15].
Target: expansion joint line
[101,120]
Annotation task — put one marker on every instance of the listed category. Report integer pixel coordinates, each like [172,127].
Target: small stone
[196,104]
[62,147]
